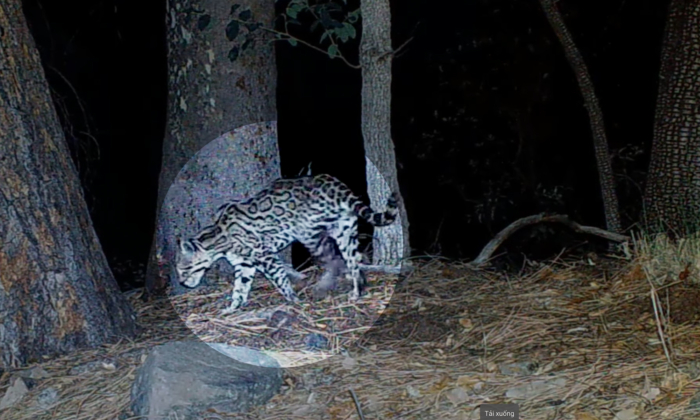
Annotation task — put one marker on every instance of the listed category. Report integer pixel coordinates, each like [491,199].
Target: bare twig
[357,404]
[491,247]
[658,317]
[396,51]
[384,268]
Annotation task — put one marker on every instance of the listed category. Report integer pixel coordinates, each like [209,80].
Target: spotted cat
[249,234]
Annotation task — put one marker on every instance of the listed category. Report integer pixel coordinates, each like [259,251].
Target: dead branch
[504,234]
[387,269]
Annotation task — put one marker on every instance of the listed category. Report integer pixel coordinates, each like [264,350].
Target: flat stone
[184,379]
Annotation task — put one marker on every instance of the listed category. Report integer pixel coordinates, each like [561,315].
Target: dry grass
[572,340]
[272,326]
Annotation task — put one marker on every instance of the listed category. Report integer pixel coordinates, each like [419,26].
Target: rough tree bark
[672,194]
[222,75]
[390,243]
[600,142]
[57,293]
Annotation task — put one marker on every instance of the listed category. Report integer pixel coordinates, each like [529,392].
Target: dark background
[487,118]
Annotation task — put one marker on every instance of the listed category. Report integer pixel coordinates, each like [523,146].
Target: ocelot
[249,234]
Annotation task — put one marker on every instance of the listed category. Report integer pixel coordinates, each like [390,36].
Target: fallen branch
[387,269]
[491,247]
[357,404]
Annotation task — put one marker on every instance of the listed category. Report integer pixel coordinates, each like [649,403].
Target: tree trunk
[57,293]
[672,195]
[390,243]
[600,142]
[222,76]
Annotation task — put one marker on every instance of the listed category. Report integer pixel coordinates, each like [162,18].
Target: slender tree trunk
[672,195]
[391,243]
[600,142]
[57,293]
[222,76]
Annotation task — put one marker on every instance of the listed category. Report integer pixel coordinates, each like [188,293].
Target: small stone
[14,393]
[47,398]
[315,341]
[37,372]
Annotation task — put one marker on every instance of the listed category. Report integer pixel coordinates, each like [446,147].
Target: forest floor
[610,338]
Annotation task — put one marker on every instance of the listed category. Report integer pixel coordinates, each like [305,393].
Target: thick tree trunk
[600,142]
[391,243]
[672,195]
[222,76]
[57,293]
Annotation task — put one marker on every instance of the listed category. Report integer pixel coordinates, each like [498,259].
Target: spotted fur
[250,234]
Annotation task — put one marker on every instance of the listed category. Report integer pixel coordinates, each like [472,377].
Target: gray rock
[47,398]
[184,379]
[14,394]
[518,368]
[246,355]
[37,372]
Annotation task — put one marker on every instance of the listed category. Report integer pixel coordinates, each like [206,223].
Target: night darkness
[488,120]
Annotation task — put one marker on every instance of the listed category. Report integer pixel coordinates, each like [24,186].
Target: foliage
[334,21]
[241,40]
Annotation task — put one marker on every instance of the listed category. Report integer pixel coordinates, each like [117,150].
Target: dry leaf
[467,381]
[412,392]
[349,363]
[457,396]
[109,366]
[302,411]
[652,394]
[491,367]
[466,323]
[443,383]
[627,414]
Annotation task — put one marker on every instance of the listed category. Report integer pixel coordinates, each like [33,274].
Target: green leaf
[294,9]
[252,27]
[292,41]
[342,33]
[232,30]
[325,17]
[233,54]
[234,8]
[354,16]
[333,51]
[245,15]
[351,31]
[324,35]
[247,44]
[203,22]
